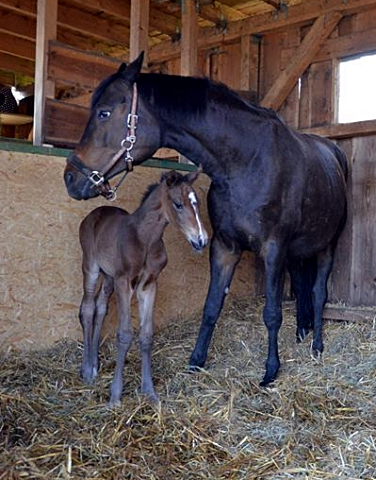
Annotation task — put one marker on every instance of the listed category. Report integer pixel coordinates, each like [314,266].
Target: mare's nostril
[69,178]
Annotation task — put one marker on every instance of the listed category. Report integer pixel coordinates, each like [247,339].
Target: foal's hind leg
[146,299]
[87,310]
[101,308]
[324,267]
[303,274]
[124,336]
[222,265]
[274,270]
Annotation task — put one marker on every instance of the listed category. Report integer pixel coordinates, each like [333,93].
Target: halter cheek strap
[98,178]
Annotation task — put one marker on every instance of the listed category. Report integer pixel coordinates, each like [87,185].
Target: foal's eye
[104,114]
[178,206]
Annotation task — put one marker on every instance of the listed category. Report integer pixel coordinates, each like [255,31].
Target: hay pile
[317,422]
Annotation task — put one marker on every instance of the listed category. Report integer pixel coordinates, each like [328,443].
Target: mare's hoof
[194,369]
[301,334]
[266,381]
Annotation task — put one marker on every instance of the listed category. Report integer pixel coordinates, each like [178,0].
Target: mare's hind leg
[101,308]
[222,265]
[324,267]
[303,275]
[87,311]
[124,336]
[274,269]
[146,299]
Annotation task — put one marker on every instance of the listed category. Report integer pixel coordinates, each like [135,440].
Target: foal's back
[110,239]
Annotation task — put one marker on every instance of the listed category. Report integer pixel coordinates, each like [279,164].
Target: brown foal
[128,252]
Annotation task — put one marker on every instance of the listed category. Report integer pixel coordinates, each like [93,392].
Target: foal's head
[181,207]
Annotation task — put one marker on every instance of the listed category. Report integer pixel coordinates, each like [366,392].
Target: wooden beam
[299,14]
[139,40]
[344,130]
[286,81]
[189,20]
[46,31]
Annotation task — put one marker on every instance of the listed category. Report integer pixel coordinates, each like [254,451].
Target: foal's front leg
[124,336]
[146,299]
[87,310]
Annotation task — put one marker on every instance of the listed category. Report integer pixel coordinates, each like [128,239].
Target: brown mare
[129,253]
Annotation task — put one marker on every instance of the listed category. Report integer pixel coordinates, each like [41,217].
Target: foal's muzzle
[199,244]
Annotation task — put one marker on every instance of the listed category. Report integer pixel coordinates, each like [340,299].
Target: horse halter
[97,178]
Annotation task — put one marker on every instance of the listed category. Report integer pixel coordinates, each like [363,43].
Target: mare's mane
[175,97]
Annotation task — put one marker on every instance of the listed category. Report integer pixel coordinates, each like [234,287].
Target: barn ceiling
[103,26]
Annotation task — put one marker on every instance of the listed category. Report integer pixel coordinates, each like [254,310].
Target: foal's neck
[150,215]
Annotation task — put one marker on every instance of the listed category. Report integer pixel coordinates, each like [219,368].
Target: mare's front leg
[319,293]
[86,315]
[222,265]
[124,336]
[146,299]
[274,260]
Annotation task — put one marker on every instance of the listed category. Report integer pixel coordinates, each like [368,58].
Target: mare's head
[112,136]
[182,208]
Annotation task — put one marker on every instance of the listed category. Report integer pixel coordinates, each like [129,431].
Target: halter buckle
[96,178]
[132,120]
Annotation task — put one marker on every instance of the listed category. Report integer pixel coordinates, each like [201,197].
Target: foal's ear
[192,177]
[171,178]
[132,71]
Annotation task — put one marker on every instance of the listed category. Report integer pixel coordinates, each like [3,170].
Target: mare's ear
[171,177]
[192,177]
[122,68]
[133,70]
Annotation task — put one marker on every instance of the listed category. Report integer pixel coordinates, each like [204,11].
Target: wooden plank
[344,130]
[17,46]
[64,123]
[349,314]
[189,29]
[76,67]
[14,64]
[286,81]
[363,258]
[139,38]
[46,31]
[321,97]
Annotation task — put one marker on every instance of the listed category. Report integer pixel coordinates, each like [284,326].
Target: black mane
[175,96]
[148,192]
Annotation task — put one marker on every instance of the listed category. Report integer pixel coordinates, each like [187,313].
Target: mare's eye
[104,114]
[178,206]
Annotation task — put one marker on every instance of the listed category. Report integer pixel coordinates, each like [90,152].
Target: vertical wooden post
[189,31]
[245,62]
[46,31]
[139,38]
[189,52]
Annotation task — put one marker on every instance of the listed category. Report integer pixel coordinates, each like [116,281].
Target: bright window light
[357,92]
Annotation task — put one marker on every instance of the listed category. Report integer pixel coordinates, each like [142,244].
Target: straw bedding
[318,421]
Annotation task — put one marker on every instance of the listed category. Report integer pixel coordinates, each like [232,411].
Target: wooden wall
[40,288]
